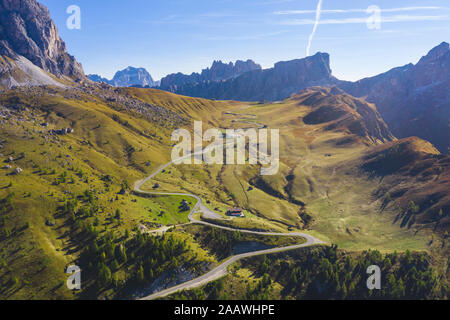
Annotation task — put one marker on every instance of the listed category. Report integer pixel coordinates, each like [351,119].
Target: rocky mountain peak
[221,71]
[128,77]
[27,30]
[436,53]
[131,76]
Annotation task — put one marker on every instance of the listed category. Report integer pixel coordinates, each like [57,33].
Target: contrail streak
[319,8]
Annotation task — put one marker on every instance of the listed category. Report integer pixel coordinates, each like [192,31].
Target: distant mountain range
[128,77]
[277,83]
[219,71]
[139,77]
[414,100]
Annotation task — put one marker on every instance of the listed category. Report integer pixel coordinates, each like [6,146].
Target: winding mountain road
[220,270]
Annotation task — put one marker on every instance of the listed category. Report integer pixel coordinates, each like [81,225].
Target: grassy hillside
[75,182]
[323,184]
[71,200]
[415,178]
[192,108]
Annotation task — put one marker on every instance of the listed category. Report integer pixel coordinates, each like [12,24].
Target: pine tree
[115,265]
[104,275]
[151,274]
[120,254]
[140,274]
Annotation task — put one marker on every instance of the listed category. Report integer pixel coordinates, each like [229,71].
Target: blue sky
[187,35]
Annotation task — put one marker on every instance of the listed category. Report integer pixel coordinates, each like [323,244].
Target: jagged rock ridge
[219,71]
[277,83]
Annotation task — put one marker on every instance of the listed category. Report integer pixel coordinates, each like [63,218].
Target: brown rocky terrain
[340,111]
[415,177]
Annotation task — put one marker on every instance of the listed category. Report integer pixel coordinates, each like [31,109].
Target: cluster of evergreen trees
[119,261]
[261,291]
[129,263]
[328,273]
[219,242]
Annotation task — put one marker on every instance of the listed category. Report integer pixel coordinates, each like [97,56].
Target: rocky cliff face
[219,71]
[414,100]
[27,30]
[277,83]
[129,77]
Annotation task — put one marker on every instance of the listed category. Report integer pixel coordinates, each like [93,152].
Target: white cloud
[296,12]
[388,19]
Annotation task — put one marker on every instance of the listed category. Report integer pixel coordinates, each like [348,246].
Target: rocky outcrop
[414,100]
[277,83]
[219,71]
[129,77]
[27,30]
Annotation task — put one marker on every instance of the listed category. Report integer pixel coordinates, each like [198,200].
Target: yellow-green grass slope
[319,187]
[321,184]
[108,151]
